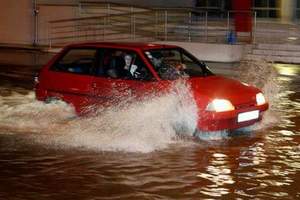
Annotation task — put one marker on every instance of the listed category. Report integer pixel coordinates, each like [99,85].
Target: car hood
[212,87]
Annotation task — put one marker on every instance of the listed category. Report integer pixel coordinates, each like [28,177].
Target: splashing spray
[263,75]
[142,126]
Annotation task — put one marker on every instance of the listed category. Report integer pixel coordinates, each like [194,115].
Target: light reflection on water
[263,164]
[219,174]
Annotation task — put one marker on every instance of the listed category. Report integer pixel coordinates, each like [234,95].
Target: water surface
[47,153]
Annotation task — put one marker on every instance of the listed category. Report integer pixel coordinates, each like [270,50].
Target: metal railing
[114,23]
[100,8]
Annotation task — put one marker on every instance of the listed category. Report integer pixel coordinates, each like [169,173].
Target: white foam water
[263,75]
[23,114]
[142,126]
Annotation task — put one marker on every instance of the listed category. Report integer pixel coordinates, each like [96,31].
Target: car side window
[124,64]
[142,72]
[77,61]
[172,57]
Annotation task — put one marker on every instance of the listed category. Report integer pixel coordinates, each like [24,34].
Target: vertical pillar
[287,10]
[242,15]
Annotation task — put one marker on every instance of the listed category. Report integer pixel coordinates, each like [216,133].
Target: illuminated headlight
[220,105]
[260,99]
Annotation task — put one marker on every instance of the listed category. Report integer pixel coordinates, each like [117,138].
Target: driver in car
[130,69]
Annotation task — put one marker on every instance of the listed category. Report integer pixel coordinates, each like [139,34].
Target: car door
[111,87]
[70,77]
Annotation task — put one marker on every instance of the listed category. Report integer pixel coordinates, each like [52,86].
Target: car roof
[125,45]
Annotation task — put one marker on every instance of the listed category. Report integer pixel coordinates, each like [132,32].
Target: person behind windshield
[166,70]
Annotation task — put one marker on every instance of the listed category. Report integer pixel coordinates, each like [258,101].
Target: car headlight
[260,99]
[220,105]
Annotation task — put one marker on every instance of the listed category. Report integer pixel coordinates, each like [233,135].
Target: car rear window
[78,61]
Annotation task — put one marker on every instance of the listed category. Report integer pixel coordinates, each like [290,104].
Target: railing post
[190,23]
[74,31]
[134,27]
[254,32]
[77,29]
[156,25]
[132,23]
[228,21]
[104,26]
[206,26]
[108,12]
[49,35]
[79,9]
[166,25]
[86,32]
[108,9]
[94,29]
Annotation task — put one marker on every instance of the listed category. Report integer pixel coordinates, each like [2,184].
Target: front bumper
[213,121]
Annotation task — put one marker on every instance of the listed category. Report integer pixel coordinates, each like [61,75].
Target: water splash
[263,75]
[23,114]
[142,126]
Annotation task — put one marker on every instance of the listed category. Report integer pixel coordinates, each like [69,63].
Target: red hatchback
[103,73]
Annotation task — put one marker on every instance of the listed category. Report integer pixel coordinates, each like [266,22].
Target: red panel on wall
[242,15]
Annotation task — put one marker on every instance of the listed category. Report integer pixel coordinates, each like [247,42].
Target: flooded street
[47,153]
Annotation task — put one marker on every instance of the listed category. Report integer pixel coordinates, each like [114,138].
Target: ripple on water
[264,164]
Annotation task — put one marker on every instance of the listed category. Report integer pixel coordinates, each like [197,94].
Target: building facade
[23,22]
[283,10]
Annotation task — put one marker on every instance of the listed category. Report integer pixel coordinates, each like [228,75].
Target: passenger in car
[122,66]
[168,70]
[130,69]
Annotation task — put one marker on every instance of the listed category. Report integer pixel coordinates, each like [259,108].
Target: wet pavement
[47,154]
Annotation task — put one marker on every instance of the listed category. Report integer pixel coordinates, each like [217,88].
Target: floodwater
[46,152]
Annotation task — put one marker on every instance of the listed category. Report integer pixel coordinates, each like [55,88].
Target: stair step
[276,53]
[284,59]
[280,47]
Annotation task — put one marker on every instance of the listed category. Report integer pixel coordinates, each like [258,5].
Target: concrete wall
[17,18]
[50,13]
[212,52]
[16,22]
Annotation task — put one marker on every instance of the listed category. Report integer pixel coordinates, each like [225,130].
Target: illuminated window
[263,8]
[215,7]
[266,8]
[298,9]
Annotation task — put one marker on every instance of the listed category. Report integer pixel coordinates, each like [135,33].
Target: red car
[102,73]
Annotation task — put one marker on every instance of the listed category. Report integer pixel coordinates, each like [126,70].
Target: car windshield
[175,63]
